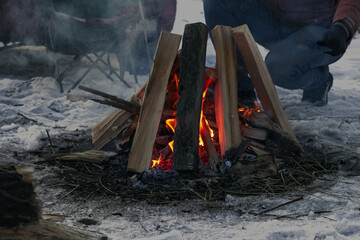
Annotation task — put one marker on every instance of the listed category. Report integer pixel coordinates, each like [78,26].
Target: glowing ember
[246,111]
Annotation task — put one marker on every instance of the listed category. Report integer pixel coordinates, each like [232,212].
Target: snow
[329,211]
[30,137]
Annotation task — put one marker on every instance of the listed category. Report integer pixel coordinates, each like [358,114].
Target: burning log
[192,70]
[154,98]
[209,145]
[225,89]
[20,216]
[261,78]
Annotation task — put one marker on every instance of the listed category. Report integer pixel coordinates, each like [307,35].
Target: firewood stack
[176,109]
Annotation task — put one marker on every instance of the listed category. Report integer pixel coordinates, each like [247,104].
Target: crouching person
[303,38]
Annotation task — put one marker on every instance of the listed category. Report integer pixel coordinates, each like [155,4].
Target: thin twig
[51,144]
[27,118]
[106,187]
[143,226]
[198,194]
[69,192]
[281,205]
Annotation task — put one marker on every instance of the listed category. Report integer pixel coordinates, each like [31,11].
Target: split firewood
[154,99]
[113,100]
[115,123]
[283,139]
[254,133]
[93,156]
[261,78]
[111,126]
[225,89]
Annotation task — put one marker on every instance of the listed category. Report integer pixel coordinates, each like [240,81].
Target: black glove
[335,38]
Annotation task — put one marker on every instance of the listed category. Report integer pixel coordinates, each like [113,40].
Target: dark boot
[319,96]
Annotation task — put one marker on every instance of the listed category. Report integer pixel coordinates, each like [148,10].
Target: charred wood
[191,82]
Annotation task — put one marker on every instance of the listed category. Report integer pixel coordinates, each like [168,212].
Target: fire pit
[185,126]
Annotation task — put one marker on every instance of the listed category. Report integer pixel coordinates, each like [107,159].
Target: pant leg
[298,62]
[265,28]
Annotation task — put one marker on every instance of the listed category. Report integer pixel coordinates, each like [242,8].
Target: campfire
[187,117]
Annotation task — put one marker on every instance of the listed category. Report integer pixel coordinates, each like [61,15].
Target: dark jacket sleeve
[350,10]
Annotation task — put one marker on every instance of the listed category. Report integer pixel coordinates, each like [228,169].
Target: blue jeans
[294,60]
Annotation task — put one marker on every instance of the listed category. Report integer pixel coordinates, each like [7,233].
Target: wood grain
[154,98]
[225,89]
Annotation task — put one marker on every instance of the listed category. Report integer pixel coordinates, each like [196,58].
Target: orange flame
[201,142]
[171,123]
[156,162]
[171,145]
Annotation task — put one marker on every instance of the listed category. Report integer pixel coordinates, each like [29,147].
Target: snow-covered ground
[330,211]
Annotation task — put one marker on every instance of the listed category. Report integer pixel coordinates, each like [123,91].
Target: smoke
[128,28]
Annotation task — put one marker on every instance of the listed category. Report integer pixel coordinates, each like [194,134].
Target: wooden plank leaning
[225,89]
[154,98]
[261,78]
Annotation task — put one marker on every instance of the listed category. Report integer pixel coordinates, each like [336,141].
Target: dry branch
[110,99]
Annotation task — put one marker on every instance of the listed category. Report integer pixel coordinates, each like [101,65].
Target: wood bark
[191,82]
[116,122]
[18,203]
[20,216]
[261,78]
[225,89]
[152,107]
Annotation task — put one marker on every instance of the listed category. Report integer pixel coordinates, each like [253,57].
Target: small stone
[88,221]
